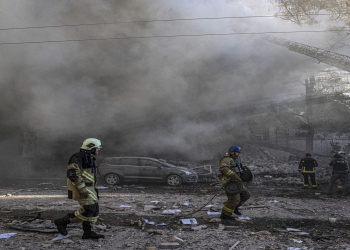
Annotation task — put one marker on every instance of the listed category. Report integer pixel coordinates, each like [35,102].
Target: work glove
[84,193]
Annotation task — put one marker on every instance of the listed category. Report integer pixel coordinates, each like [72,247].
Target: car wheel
[174,180]
[112,179]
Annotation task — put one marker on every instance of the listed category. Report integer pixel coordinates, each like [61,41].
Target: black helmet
[308,154]
[337,156]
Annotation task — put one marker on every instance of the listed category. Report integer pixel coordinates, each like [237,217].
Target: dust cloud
[167,96]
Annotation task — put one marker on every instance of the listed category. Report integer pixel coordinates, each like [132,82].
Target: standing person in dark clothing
[340,171]
[307,168]
[82,187]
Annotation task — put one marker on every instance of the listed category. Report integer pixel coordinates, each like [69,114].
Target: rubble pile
[135,218]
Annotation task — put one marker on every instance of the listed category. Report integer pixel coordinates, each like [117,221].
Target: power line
[142,21]
[171,36]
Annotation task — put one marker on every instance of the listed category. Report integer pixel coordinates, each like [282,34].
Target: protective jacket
[230,168]
[340,166]
[81,175]
[307,165]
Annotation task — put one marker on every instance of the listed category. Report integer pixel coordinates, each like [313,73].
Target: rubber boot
[61,224]
[93,236]
[226,217]
[89,234]
[237,211]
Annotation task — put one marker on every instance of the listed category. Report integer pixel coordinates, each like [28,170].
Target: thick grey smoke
[151,96]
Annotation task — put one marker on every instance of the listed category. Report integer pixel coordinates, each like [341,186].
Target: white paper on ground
[101,187]
[293,229]
[161,224]
[274,201]
[213,213]
[244,218]
[7,235]
[191,221]
[171,211]
[60,237]
[155,201]
[124,206]
[297,241]
[149,222]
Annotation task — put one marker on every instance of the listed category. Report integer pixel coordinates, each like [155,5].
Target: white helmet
[91,143]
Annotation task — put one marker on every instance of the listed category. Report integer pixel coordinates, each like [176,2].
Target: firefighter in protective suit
[307,168]
[82,187]
[230,167]
[340,171]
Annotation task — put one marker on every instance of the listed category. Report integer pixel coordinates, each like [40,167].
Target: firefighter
[82,187]
[340,171]
[230,168]
[307,168]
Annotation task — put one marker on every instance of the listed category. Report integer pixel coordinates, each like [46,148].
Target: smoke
[153,96]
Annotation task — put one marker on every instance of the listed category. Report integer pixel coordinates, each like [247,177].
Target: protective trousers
[312,178]
[344,180]
[88,214]
[234,200]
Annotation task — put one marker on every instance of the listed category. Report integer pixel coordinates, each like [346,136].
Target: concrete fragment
[332,220]
[231,228]
[243,221]
[198,227]
[261,233]
[177,239]
[169,245]
[157,232]
[149,207]
[67,241]
[215,220]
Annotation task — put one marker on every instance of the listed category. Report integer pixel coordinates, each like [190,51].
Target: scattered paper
[171,211]
[7,235]
[101,187]
[124,206]
[299,233]
[155,202]
[293,229]
[297,241]
[149,222]
[294,248]
[213,213]
[244,218]
[274,201]
[60,237]
[191,221]
[185,204]
[162,224]
[209,205]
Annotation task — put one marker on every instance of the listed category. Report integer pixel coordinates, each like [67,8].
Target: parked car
[115,170]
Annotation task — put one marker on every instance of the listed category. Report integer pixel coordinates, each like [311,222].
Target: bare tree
[308,11]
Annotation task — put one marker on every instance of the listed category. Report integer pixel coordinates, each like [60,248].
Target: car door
[151,170]
[130,169]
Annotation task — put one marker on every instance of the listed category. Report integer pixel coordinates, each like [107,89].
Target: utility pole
[310,95]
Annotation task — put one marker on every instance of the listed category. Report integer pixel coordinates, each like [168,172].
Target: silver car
[115,170]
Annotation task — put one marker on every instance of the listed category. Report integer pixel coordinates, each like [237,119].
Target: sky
[143,95]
